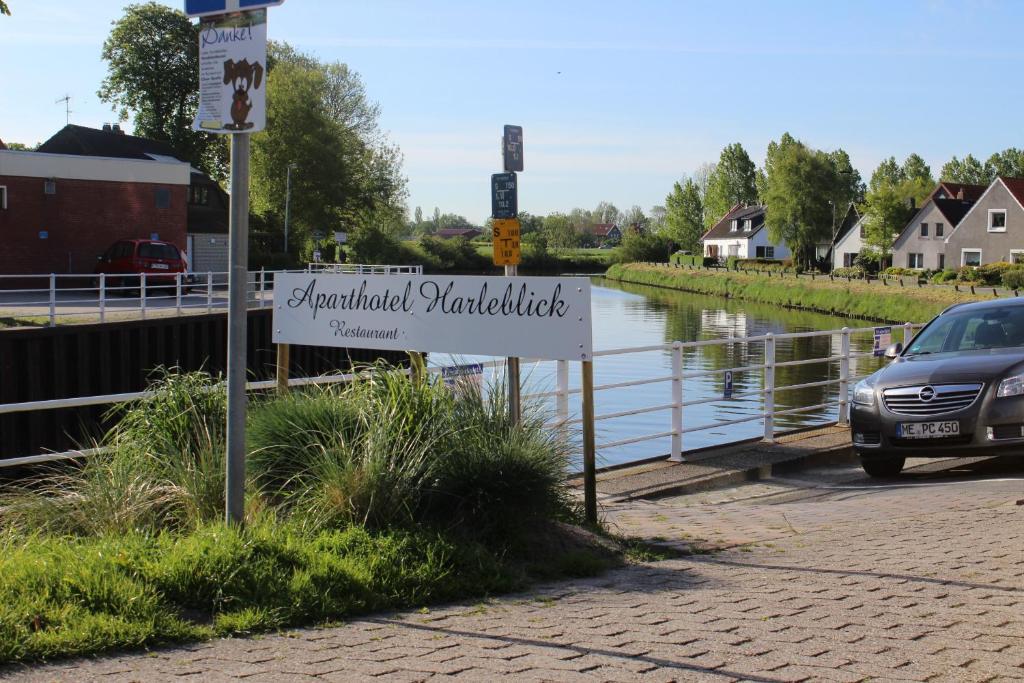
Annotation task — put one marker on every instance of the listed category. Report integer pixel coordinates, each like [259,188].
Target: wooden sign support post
[589,445]
[283,364]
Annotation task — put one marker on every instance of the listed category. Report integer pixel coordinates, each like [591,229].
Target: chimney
[960,193]
[116,128]
[911,204]
[106,127]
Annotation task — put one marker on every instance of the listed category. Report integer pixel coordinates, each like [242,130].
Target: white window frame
[735,226]
[748,225]
[1016,251]
[963,254]
[3,197]
[992,212]
[915,260]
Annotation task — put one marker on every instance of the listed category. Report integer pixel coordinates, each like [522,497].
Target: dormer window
[997,220]
[735,226]
[748,225]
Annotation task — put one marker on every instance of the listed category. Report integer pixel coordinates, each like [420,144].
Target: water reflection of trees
[690,317]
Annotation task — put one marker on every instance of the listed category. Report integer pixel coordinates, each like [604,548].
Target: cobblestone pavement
[861,581]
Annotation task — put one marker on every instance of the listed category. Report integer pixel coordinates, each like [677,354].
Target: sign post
[505,242]
[232,100]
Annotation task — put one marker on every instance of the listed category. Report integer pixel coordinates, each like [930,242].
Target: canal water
[626,315]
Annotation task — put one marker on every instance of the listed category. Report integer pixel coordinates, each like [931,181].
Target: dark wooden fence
[87,360]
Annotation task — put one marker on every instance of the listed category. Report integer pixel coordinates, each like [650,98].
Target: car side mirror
[893,350]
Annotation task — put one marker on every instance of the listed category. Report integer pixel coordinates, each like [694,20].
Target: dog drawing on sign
[241,75]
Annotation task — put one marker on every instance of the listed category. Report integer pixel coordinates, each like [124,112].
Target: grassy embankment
[559,260]
[848,299]
[385,493]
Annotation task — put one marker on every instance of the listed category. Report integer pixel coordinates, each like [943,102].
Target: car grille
[941,398]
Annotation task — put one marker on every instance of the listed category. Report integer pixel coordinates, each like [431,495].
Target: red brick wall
[81,220]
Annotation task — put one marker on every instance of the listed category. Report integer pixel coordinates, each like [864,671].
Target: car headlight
[864,392]
[1011,386]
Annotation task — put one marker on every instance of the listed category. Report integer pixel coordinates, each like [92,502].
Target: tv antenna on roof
[67,107]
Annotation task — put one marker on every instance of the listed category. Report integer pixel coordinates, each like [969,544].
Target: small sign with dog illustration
[232,66]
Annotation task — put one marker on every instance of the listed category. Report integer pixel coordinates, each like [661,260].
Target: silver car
[957,389]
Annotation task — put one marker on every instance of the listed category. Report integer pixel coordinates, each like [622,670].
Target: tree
[888,174]
[635,216]
[152,56]
[560,232]
[732,182]
[344,177]
[605,212]
[886,214]
[968,170]
[418,216]
[915,169]
[1009,164]
[656,222]
[684,212]
[20,147]
[799,182]
[3,8]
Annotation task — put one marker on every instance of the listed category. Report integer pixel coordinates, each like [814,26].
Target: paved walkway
[854,581]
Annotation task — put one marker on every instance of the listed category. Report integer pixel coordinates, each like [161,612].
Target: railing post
[769,388]
[263,283]
[177,293]
[209,292]
[53,300]
[142,295]
[677,402]
[589,445]
[103,297]
[908,334]
[562,393]
[844,375]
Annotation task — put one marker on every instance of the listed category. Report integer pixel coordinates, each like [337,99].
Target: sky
[617,99]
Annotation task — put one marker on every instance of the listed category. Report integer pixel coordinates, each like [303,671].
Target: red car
[126,260]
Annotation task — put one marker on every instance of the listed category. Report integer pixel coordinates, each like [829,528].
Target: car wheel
[882,467]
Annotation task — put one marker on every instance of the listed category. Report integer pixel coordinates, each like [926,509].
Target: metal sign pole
[238,247]
[512,373]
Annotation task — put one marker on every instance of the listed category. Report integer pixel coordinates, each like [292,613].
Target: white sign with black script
[529,317]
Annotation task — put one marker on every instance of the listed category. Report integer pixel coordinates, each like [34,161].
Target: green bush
[850,272]
[761,265]
[640,247]
[687,259]
[943,276]
[969,274]
[992,273]
[452,254]
[1014,279]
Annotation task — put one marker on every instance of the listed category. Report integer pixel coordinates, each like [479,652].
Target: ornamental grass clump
[160,468]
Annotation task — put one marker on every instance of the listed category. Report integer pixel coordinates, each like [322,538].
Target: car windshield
[161,251]
[986,328]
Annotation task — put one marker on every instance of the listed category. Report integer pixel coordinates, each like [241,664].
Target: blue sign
[455,374]
[504,196]
[727,390]
[201,8]
[882,340]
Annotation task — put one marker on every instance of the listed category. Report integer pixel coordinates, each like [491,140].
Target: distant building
[466,233]
[849,239]
[206,219]
[922,244]
[59,212]
[741,233]
[992,229]
[603,232]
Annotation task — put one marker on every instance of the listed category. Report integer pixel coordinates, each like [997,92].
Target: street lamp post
[287,204]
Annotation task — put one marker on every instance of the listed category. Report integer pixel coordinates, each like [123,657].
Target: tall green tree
[886,214]
[914,168]
[4,9]
[635,216]
[560,232]
[799,184]
[966,170]
[732,182]
[1009,164]
[152,56]
[344,176]
[888,174]
[684,216]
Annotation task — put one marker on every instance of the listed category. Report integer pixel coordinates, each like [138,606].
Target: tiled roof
[1016,187]
[723,228]
[601,229]
[82,141]
[851,219]
[458,232]
[953,209]
[972,193]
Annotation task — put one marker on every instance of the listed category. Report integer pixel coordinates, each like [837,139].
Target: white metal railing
[102,297]
[674,400]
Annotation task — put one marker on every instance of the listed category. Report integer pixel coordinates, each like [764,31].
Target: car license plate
[161,266]
[927,430]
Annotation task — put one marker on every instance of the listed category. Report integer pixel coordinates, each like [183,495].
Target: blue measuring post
[727,389]
[201,8]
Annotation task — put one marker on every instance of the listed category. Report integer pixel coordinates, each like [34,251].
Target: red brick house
[59,212]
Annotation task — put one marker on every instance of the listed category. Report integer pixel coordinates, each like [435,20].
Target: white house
[742,233]
[849,239]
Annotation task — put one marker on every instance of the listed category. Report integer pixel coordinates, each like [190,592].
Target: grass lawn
[839,297]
